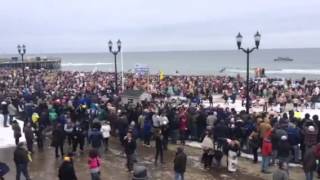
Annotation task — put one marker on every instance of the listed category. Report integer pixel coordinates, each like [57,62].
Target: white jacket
[105,129]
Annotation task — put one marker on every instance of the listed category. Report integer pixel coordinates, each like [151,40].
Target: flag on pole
[161,75]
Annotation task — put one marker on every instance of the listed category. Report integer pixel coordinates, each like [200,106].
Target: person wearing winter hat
[310,136]
[66,170]
[284,149]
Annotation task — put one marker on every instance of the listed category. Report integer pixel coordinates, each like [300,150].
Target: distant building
[131,96]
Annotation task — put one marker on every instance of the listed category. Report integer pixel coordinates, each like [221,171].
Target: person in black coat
[159,146]
[21,160]
[78,136]
[66,170]
[129,148]
[58,137]
[180,164]
[284,149]
[28,133]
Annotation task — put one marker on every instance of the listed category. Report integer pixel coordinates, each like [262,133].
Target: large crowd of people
[79,108]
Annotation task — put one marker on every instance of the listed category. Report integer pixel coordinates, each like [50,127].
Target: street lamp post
[115,53]
[257,38]
[22,52]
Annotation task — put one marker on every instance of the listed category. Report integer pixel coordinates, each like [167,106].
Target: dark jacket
[293,136]
[16,130]
[284,149]
[95,138]
[58,137]
[28,133]
[159,141]
[66,171]
[180,162]
[20,156]
[4,109]
[78,132]
[309,161]
[129,147]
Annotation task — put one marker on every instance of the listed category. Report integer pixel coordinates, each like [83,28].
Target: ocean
[306,62]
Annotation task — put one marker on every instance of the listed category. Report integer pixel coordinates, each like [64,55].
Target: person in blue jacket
[294,140]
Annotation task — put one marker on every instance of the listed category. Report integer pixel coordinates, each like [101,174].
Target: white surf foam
[86,64]
[279,71]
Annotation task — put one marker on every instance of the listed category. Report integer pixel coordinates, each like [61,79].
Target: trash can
[140,173]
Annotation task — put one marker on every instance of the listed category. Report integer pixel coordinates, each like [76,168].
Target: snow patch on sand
[6,135]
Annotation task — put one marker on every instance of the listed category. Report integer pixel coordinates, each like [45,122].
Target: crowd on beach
[83,109]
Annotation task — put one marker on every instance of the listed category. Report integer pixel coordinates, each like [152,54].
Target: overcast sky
[153,25]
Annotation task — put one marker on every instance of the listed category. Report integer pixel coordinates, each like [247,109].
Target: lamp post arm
[244,50]
[252,49]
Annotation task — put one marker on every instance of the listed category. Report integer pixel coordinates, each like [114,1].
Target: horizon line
[155,51]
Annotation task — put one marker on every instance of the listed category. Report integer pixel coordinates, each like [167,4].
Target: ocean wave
[86,64]
[280,71]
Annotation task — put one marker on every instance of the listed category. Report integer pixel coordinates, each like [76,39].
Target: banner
[141,69]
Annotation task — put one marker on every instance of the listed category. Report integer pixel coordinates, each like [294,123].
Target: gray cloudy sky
[152,25]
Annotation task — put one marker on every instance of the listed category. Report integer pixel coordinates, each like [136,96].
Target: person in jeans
[266,154]
[180,164]
[21,160]
[94,163]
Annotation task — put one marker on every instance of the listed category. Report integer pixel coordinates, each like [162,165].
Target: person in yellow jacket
[35,117]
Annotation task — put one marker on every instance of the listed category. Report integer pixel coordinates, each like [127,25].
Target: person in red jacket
[266,152]
[183,126]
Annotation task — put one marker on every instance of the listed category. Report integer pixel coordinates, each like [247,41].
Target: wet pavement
[45,166]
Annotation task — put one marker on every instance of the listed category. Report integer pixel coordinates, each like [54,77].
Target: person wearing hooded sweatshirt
[21,160]
[66,170]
